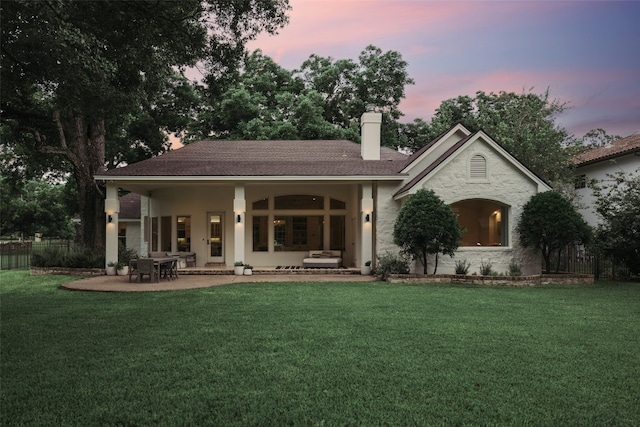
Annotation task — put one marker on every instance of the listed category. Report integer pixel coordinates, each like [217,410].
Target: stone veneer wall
[505,184]
[533,280]
[89,272]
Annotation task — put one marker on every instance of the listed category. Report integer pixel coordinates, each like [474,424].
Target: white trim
[295,178]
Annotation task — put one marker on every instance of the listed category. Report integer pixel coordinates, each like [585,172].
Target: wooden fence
[578,259]
[16,254]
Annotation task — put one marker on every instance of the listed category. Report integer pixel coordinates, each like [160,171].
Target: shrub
[391,264]
[80,258]
[462,266]
[126,254]
[515,268]
[486,268]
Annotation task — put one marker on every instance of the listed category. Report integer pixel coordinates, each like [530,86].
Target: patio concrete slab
[122,284]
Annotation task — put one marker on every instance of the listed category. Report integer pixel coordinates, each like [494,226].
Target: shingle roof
[266,158]
[619,147]
[130,206]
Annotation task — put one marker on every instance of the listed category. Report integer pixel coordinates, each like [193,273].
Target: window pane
[183,227]
[260,233]
[336,230]
[261,204]
[165,241]
[154,234]
[337,204]
[122,234]
[299,202]
[484,222]
[298,233]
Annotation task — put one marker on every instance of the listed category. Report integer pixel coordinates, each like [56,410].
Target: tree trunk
[546,255]
[82,143]
[424,263]
[436,267]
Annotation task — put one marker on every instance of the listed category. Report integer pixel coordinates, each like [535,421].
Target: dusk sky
[587,53]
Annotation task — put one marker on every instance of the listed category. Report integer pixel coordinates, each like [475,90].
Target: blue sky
[587,53]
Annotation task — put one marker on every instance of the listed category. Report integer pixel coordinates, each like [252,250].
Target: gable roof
[456,146]
[619,147]
[265,158]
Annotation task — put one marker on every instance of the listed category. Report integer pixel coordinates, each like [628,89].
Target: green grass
[308,354]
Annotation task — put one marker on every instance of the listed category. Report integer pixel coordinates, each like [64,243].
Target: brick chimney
[370,134]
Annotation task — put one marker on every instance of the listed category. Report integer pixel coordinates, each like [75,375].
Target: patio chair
[146,266]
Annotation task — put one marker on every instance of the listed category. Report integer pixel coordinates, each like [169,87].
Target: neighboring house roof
[129,206]
[619,147]
[266,158]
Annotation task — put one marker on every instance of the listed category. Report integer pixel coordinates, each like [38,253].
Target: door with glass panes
[215,240]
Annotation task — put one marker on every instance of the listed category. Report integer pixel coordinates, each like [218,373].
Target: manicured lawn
[308,354]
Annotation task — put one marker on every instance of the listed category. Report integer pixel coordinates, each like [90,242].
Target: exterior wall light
[110,218]
[238,218]
[367,218]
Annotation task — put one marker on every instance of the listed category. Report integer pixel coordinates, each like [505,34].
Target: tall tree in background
[76,75]
[618,204]
[322,100]
[522,123]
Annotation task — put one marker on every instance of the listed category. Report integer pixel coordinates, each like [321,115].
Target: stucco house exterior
[596,165]
[268,203]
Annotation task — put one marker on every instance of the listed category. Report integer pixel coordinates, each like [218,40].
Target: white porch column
[239,217]
[366,207]
[111,210]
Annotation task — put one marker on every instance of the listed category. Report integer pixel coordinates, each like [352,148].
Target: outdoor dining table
[166,265]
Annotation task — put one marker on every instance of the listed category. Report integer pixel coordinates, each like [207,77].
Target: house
[597,164]
[269,203]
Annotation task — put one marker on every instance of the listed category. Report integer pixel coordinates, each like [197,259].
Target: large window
[302,230]
[298,233]
[485,222]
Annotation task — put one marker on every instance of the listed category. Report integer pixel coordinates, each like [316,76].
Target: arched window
[485,222]
[478,167]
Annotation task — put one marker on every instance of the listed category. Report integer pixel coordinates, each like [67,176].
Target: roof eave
[202,179]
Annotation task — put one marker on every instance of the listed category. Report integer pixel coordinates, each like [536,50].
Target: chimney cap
[370,108]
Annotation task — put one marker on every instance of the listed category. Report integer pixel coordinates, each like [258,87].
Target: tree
[549,223]
[347,87]
[78,75]
[524,124]
[618,204]
[322,100]
[426,225]
[36,207]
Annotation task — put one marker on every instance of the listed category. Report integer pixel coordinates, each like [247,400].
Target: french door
[215,241]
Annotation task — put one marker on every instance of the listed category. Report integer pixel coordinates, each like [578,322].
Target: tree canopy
[426,225]
[83,80]
[549,223]
[524,124]
[618,204]
[322,100]
[38,207]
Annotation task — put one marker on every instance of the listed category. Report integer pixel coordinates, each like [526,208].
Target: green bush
[462,266]
[391,264]
[515,269]
[486,268]
[79,258]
